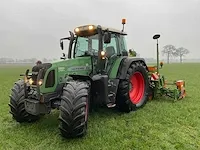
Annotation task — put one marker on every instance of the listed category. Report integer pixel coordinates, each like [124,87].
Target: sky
[32,28]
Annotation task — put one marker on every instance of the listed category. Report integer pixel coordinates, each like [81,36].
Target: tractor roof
[113,30]
[93,29]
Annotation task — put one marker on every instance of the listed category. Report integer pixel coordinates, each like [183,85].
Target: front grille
[50,79]
[34,78]
[36,69]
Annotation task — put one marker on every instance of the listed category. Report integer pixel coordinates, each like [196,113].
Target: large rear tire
[133,90]
[17,106]
[74,109]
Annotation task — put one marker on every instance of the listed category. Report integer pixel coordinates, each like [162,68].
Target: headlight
[31,81]
[103,53]
[40,82]
[90,27]
[77,30]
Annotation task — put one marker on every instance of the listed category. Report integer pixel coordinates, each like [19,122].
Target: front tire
[133,90]
[74,109]
[17,106]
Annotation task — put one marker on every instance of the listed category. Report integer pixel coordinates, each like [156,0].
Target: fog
[32,28]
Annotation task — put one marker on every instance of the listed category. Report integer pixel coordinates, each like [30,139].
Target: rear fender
[124,65]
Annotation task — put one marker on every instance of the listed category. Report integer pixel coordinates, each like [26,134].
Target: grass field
[161,124]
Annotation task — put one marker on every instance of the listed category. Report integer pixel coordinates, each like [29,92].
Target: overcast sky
[32,28]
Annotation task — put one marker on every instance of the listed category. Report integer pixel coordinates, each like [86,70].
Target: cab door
[112,51]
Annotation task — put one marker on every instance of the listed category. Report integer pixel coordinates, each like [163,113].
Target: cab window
[112,47]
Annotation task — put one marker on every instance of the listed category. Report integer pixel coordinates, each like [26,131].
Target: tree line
[172,51]
[168,50]
[27,60]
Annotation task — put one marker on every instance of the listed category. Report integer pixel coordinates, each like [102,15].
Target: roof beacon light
[123,22]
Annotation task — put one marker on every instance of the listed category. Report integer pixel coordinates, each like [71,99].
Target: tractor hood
[59,71]
[80,66]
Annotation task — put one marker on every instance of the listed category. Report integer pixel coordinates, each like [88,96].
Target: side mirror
[61,44]
[107,37]
[63,57]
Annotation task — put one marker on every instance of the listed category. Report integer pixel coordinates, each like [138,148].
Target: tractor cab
[104,45]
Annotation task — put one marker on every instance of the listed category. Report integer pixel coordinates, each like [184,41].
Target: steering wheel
[79,50]
[94,50]
[112,56]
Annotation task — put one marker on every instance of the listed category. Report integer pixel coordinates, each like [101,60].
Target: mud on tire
[74,109]
[137,75]
[17,106]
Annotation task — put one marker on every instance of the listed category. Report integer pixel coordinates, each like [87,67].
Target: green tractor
[96,71]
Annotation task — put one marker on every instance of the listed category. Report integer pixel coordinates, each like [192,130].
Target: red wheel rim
[136,88]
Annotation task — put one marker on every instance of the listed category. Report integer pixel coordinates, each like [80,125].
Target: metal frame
[159,84]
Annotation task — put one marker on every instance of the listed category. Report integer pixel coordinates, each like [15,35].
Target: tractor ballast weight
[158,83]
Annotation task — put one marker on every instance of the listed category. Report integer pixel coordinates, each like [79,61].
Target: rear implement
[158,83]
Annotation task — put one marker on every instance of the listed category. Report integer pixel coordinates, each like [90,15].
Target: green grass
[161,124]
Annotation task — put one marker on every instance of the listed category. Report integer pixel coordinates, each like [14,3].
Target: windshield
[86,45]
[123,43]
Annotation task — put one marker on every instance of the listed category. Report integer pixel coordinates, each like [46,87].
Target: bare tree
[169,51]
[180,52]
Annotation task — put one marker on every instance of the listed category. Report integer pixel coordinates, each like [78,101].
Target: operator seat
[110,50]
